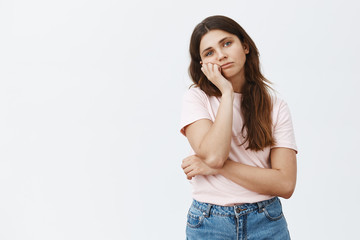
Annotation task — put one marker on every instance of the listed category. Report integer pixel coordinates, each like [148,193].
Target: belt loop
[207,213]
[260,206]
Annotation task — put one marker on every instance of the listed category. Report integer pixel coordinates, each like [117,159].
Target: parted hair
[256,101]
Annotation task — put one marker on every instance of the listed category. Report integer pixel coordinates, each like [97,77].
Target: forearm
[261,180]
[215,146]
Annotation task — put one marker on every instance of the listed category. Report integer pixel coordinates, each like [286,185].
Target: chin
[231,73]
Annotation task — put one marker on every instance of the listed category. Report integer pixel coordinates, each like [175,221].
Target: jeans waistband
[208,208]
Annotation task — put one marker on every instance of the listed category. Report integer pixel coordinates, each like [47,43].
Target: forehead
[213,37]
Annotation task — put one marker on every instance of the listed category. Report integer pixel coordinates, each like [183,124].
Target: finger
[209,65]
[183,164]
[217,68]
[205,68]
[192,173]
[186,162]
[188,169]
[212,67]
[189,175]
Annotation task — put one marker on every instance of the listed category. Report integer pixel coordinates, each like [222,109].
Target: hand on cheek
[211,70]
[213,73]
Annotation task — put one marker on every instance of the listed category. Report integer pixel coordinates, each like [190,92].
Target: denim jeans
[250,221]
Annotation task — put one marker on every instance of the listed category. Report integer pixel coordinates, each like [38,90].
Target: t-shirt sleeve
[283,128]
[194,107]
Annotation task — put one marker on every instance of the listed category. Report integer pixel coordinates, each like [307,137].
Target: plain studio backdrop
[90,99]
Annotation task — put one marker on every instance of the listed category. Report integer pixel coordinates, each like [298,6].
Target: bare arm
[279,180]
[211,141]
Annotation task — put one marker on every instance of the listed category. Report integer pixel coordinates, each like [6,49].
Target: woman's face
[224,49]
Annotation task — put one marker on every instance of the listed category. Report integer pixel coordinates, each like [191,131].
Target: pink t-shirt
[217,189]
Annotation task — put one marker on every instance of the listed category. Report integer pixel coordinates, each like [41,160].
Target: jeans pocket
[195,217]
[273,211]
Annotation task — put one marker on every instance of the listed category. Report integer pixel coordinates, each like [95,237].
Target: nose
[221,55]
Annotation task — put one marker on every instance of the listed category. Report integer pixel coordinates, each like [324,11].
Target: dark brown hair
[256,103]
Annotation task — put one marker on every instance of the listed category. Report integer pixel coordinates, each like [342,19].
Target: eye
[209,53]
[227,44]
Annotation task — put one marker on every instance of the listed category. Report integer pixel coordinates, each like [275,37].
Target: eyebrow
[219,43]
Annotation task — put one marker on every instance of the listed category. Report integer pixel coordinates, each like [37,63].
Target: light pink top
[217,189]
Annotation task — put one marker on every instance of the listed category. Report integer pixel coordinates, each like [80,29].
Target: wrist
[228,93]
[218,171]
[224,85]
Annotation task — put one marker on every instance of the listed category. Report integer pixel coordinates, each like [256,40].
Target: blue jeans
[250,221]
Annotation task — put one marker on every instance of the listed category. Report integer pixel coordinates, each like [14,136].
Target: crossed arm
[211,143]
[279,180]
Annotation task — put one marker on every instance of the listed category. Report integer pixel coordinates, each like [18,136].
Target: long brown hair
[256,103]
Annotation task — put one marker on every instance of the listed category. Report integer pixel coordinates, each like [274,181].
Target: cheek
[208,60]
[241,57]
[240,54]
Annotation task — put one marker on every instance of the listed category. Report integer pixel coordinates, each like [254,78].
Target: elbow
[287,190]
[216,162]
[287,194]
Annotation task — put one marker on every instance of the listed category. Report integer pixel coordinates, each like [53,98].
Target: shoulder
[278,103]
[281,111]
[195,93]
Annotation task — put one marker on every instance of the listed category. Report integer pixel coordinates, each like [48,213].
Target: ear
[246,48]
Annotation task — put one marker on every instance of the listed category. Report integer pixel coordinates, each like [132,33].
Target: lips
[226,65]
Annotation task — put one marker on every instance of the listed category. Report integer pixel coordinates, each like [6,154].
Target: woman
[243,147]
